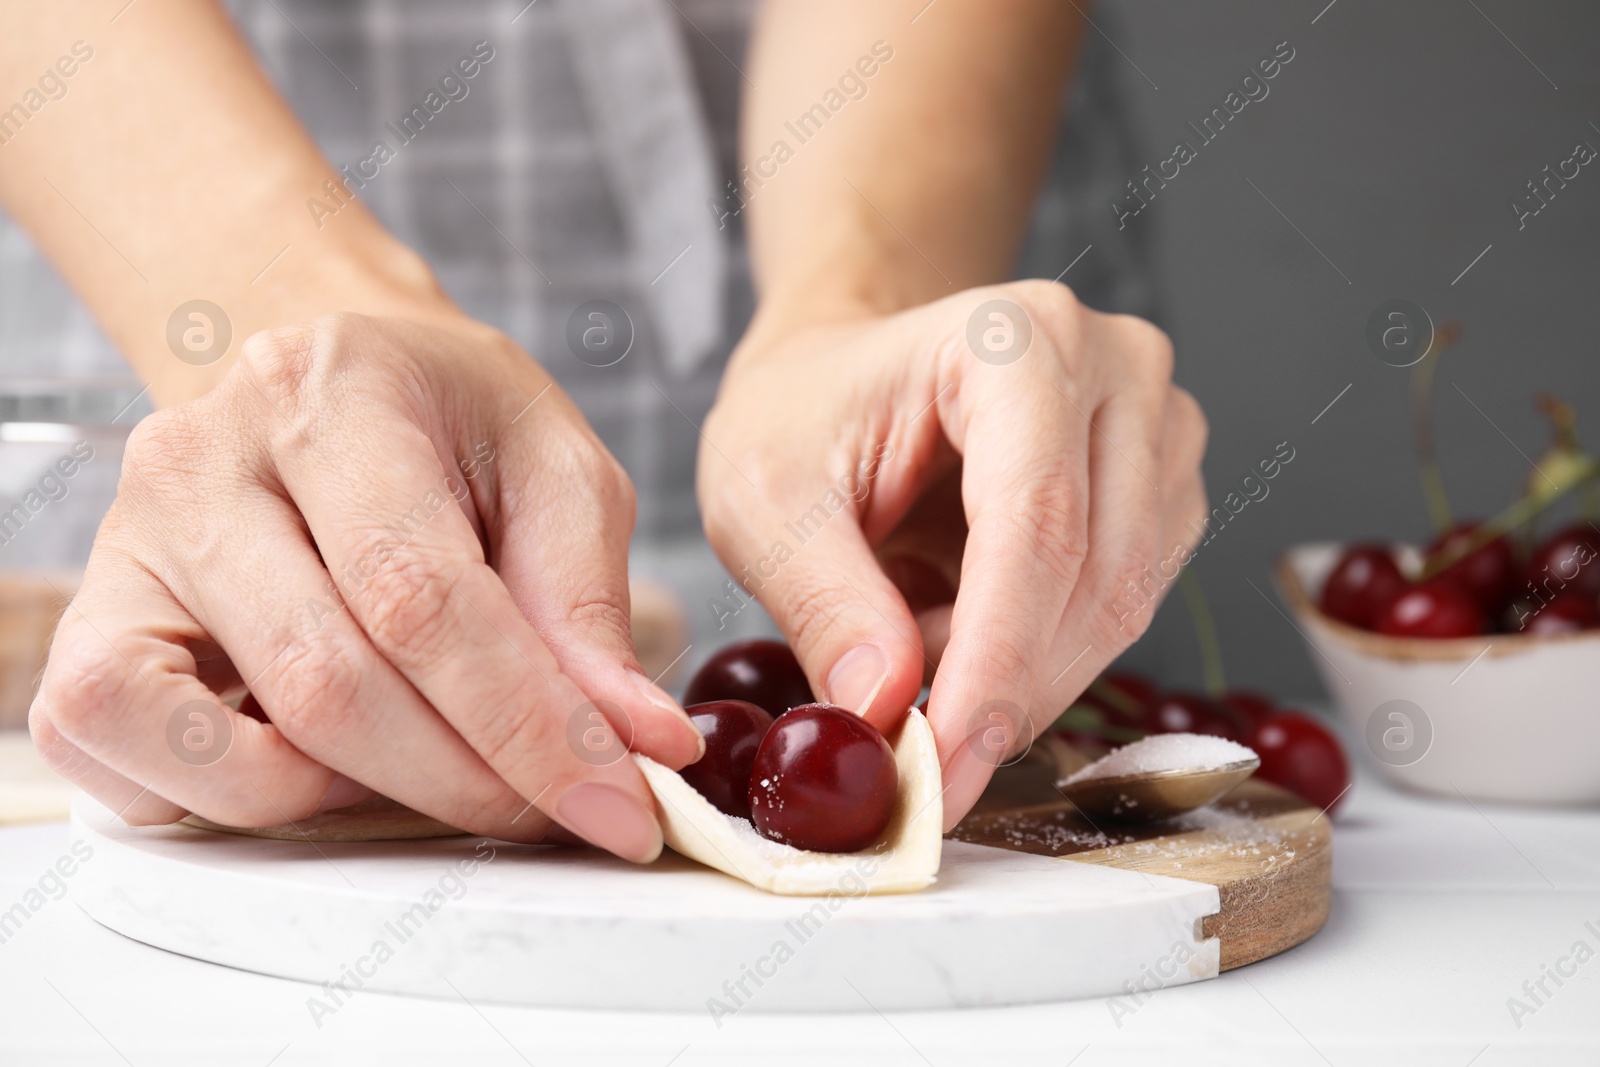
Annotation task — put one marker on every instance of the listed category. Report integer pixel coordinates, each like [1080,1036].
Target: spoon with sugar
[1159,777]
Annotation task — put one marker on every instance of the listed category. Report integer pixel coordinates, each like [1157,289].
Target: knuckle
[165,448]
[286,361]
[1009,660]
[406,608]
[601,609]
[506,738]
[812,609]
[85,685]
[281,358]
[318,682]
[1053,306]
[1046,522]
[1189,420]
[1152,345]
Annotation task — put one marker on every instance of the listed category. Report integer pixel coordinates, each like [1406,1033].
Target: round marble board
[1032,904]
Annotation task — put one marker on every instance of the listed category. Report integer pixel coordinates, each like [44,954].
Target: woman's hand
[1005,448]
[410,547]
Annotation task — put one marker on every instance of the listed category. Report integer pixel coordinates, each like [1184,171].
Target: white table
[1441,913]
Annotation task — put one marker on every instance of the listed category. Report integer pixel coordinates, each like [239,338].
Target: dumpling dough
[904,859]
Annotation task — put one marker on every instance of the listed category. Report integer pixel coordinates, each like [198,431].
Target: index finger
[1025,487]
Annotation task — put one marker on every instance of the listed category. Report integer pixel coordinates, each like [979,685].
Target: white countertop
[1440,914]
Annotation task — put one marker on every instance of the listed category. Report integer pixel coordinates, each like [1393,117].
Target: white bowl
[1504,717]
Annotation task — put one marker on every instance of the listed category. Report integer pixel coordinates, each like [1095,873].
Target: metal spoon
[1147,796]
[1156,794]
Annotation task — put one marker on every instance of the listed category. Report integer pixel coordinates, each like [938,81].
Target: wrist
[368,273]
[857,268]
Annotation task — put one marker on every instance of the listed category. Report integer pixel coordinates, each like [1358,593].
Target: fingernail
[856,679]
[342,792]
[606,816]
[658,696]
[965,778]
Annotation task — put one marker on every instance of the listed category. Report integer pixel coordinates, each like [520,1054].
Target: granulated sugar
[1165,752]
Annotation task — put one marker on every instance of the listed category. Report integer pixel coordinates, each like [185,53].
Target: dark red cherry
[1488,573]
[1301,755]
[1250,706]
[733,730]
[824,780]
[763,672]
[1566,561]
[1190,713]
[1435,608]
[1123,694]
[1567,613]
[1361,584]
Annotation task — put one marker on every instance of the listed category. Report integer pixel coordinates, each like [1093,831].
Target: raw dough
[903,860]
[374,819]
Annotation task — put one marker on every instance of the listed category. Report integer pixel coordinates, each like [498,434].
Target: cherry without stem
[1567,613]
[824,780]
[1487,573]
[765,673]
[1189,713]
[1435,608]
[1568,560]
[733,730]
[1251,707]
[1361,584]
[1301,755]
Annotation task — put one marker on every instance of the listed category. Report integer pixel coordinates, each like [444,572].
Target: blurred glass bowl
[61,445]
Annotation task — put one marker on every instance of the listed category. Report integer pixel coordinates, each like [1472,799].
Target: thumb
[848,624]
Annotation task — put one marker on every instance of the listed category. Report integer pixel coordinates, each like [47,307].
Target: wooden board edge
[1261,912]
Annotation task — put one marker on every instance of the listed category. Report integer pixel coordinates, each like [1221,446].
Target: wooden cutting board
[1268,852]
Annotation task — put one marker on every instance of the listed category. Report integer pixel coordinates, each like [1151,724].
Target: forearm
[168,170]
[921,185]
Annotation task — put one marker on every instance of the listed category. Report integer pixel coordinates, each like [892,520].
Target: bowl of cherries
[1469,665]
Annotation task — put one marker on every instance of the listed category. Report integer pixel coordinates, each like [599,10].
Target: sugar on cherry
[824,780]
[763,672]
[733,730]
[1301,755]
[1361,584]
[1437,607]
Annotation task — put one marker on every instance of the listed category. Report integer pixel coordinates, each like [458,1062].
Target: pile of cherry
[814,776]
[1555,590]
[1297,752]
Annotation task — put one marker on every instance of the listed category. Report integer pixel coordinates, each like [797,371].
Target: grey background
[1394,140]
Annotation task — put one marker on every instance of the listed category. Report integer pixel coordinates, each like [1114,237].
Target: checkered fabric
[512,194]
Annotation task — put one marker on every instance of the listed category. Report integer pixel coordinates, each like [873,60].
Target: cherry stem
[1428,469]
[1205,633]
[1512,517]
[1564,420]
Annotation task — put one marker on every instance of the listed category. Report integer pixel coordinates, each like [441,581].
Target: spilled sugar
[1191,840]
[1164,752]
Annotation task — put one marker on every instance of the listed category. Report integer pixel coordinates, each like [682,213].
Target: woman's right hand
[412,549]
